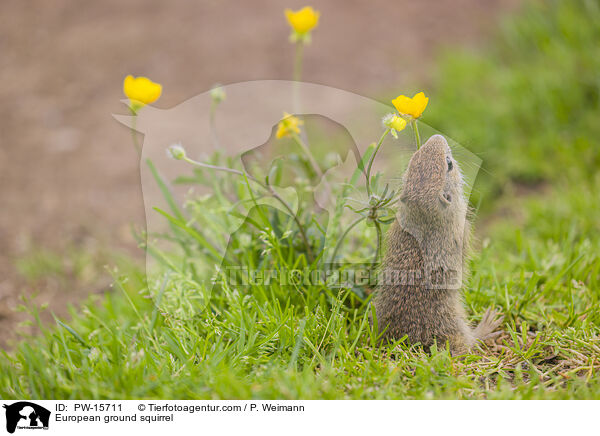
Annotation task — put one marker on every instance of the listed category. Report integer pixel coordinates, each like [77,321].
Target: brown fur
[424,266]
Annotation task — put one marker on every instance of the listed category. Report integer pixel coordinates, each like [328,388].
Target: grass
[81,264]
[529,107]
[175,336]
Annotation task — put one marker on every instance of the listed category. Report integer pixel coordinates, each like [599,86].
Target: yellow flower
[411,106]
[302,21]
[141,91]
[288,125]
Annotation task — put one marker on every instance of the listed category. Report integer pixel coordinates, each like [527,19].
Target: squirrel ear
[444,200]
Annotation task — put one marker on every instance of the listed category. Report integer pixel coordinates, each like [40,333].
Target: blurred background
[69,177]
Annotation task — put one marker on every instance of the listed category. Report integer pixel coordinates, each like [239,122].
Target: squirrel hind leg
[486,329]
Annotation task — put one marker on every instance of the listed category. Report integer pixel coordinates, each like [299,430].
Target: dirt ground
[69,180]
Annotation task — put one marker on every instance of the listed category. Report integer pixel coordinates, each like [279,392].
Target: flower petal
[411,106]
[304,20]
[141,90]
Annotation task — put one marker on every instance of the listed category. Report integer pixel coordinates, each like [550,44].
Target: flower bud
[217,93]
[176,151]
[394,123]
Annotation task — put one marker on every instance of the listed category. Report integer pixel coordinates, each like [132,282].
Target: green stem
[311,158]
[339,243]
[268,188]
[314,164]
[416,130]
[298,223]
[213,126]
[298,60]
[368,173]
[225,169]
[297,76]
[379,243]
[136,144]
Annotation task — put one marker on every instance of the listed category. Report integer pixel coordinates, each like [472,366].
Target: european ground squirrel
[423,269]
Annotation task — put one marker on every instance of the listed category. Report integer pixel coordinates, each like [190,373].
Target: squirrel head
[433,184]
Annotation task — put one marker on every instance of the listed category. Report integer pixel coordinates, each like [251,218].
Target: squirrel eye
[449,162]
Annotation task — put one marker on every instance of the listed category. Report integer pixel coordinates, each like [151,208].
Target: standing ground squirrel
[423,269]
